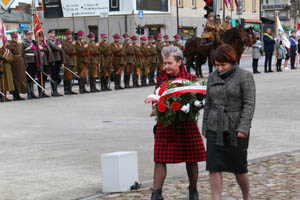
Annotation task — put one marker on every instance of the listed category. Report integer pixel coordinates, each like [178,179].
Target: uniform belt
[107,54]
[129,54]
[96,55]
[82,54]
[29,54]
[18,55]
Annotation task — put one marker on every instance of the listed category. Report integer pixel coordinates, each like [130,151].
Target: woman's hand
[241,135]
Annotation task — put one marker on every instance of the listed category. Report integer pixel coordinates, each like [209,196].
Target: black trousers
[54,70]
[268,60]
[32,71]
[279,61]
[254,65]
[293,57]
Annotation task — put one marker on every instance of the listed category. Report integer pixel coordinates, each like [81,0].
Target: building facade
[160,16]
[283,7]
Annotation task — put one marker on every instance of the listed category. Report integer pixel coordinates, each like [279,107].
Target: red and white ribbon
[182,90]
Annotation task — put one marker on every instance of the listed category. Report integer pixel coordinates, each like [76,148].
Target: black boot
[117,83]
[193,194]
[93,85]
[127,81]
[32,92]
[70,87]
[102,81]
[66,87]
[157,195]
[54,89]
[151,79]
[81,85]
[41,93]
[144,80]
[106,84]
[29,90]
[84,83]
[17,97]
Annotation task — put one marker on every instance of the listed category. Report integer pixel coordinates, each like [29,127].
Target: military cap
[134,37]
[69,32]
[159,35]
[91,35]
[166,36]
[211,14]
[104,35]
[28,32]
[144,38]
[150,37]
[116,36]
[14,35]
[51,31]
[125,35]
[80,33]
[176,36]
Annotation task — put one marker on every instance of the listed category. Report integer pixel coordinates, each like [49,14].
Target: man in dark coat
[33,62]
[269,49]
[293,49]
[56,48]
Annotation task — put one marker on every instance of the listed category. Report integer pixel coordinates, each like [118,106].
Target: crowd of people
[270,46]
[34,61]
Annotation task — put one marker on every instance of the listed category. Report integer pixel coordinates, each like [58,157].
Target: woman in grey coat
[281,52]
[256,54]
[229,109]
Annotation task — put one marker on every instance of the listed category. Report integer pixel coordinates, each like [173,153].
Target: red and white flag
[37,27]
[298,26]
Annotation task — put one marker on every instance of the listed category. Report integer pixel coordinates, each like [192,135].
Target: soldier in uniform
[166,42]
[227,25]
[219,28]
[210,29]
[154,59]
[6,76]
[119,61]
[146,51]
[18,67]
[70,62]
[32,61]
[57,51]
[82,56]
[138,62]
[47,62]
[130,60]
[159,47]
[106,62]
[94,62]
[176,42]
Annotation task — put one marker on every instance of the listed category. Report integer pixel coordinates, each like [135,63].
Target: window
[277,2]
[154,5]
[254,5]
[180,3]
[114,5]
[193,3]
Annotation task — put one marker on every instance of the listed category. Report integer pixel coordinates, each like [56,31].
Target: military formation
[28,65]
[214,28]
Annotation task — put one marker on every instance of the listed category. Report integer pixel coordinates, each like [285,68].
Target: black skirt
[226,158]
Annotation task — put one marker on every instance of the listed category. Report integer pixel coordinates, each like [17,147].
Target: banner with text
[86,8]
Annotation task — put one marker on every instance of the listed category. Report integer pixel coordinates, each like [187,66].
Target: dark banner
[52,9]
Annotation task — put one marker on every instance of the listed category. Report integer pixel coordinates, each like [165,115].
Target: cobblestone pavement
[273,178]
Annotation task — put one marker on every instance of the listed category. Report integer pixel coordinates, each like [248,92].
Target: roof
[16,16]
[253,21]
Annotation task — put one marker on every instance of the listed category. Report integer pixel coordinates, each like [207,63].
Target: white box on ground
[119,171]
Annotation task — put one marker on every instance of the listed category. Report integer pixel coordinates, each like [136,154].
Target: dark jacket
[229,103]
[32,52]
[268,43]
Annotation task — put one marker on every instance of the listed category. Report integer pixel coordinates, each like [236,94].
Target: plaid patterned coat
[181,142]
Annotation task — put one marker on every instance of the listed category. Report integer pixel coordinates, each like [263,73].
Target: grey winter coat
[281,51]
[256,48]
[229,103]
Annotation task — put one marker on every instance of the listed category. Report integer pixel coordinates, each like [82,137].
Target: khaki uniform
[70,60]
[153,58]
[94,59]
[130,58]
[5,68]
[219,31]
[106,59]
[82,56]
[180,46]
[227,26]
[119,55]
[18,67]
[209,30]
[147,58]
[139,59]
[166,44]
[159,47]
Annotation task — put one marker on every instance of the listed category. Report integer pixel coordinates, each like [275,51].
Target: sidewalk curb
[148,184]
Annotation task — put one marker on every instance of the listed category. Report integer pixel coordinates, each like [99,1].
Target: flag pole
[275,36]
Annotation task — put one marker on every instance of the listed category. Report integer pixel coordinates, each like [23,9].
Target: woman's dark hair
[225,54]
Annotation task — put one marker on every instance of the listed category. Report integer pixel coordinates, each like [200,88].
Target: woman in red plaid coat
[182,143]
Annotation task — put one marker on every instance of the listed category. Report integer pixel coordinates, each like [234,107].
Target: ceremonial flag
[37,27]
[298,26]
[281,34]
[237,5]
[2,34]
[226,2]
[230,2]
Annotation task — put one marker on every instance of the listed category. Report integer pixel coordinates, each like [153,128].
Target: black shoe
[157,195]
[270,70]
[106,84]
[257,72]
[194,195]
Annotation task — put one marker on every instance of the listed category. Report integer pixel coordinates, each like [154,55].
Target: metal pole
[223,11]
[177,15]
